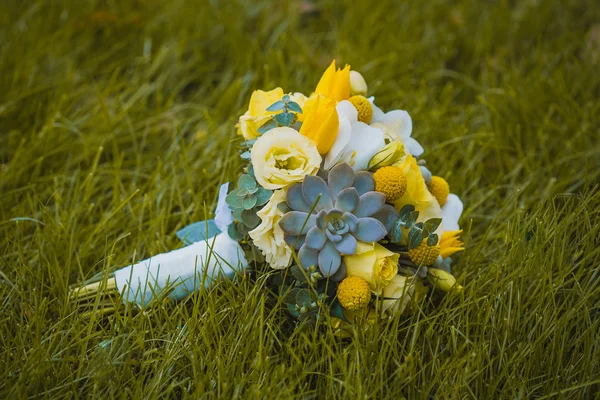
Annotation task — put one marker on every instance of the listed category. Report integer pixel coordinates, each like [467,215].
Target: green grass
[116,128]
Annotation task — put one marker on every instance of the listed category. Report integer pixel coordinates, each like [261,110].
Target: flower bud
[389,155]
[358,85]
[442,280]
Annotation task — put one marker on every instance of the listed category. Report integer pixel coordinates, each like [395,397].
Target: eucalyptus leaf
[298,273]
[277,106]
[263,196]
[249,202]
[410,220]
[405,212]
[414,238]
[250,219]
[286,98]
[245,155]
[336,310]
[286,119]
[432,224]
[233,200]
[246,182]
[242,230]
[396,232]
[432,240]
[252,191]
[295,107]
[233,232]
[267,126]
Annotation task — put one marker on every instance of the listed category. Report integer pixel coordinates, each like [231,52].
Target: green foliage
[287,117]
[116,129]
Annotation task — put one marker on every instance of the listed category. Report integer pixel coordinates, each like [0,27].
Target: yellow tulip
[321,122]
[450,243]
[335,83]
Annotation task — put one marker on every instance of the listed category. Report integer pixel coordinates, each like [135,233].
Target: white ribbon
[181,272]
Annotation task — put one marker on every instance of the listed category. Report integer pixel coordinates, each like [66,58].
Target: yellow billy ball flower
[354,293]
[423,254]
[364,108]
[439,189]
[391,182]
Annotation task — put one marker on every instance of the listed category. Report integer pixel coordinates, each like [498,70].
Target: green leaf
[286,98]
[414,238]
[405,212]
[295,107]
[286,119]
[252,191]
[245,155]
[242,230]
[237,213]
[298,273]
[234,233]
[267,126]
[249,202]
[336,310]
[432,240]
[304,298]
[396,233]
[432,224]
[263,196]
[246,182]
[234,200]
[250,219]
[277,106]
[410,220]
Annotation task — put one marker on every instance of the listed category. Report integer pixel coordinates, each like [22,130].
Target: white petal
[182,271]
[413,146]
[399,123]
[346,109]
[451,212]
[377,113]
[366,141]
[223,216]
[339,147]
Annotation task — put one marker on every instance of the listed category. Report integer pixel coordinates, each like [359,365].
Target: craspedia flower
[391,182]
[364,108]
[439,189]
[354,293]
[423,254]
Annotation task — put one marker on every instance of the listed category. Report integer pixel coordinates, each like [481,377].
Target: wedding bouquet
[333,197]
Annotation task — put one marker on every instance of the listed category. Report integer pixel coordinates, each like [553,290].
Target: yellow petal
[335,83]
[450,243]
[261,100]
[321,122]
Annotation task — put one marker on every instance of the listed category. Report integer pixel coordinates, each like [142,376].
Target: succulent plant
[328,218]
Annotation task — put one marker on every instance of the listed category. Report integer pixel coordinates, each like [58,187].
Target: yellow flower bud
[358,85]
[442,280]
[389,155]
[321,122]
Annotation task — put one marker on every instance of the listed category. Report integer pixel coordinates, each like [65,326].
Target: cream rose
[268,236]
[374,263]
[283,156]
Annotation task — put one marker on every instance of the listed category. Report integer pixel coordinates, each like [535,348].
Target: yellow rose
[283,156]
[321,122]
[335,83]
[374,263]
[268,236]
[403,294]
[257,113]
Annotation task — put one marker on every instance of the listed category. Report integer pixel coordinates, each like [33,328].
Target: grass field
[116,128]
